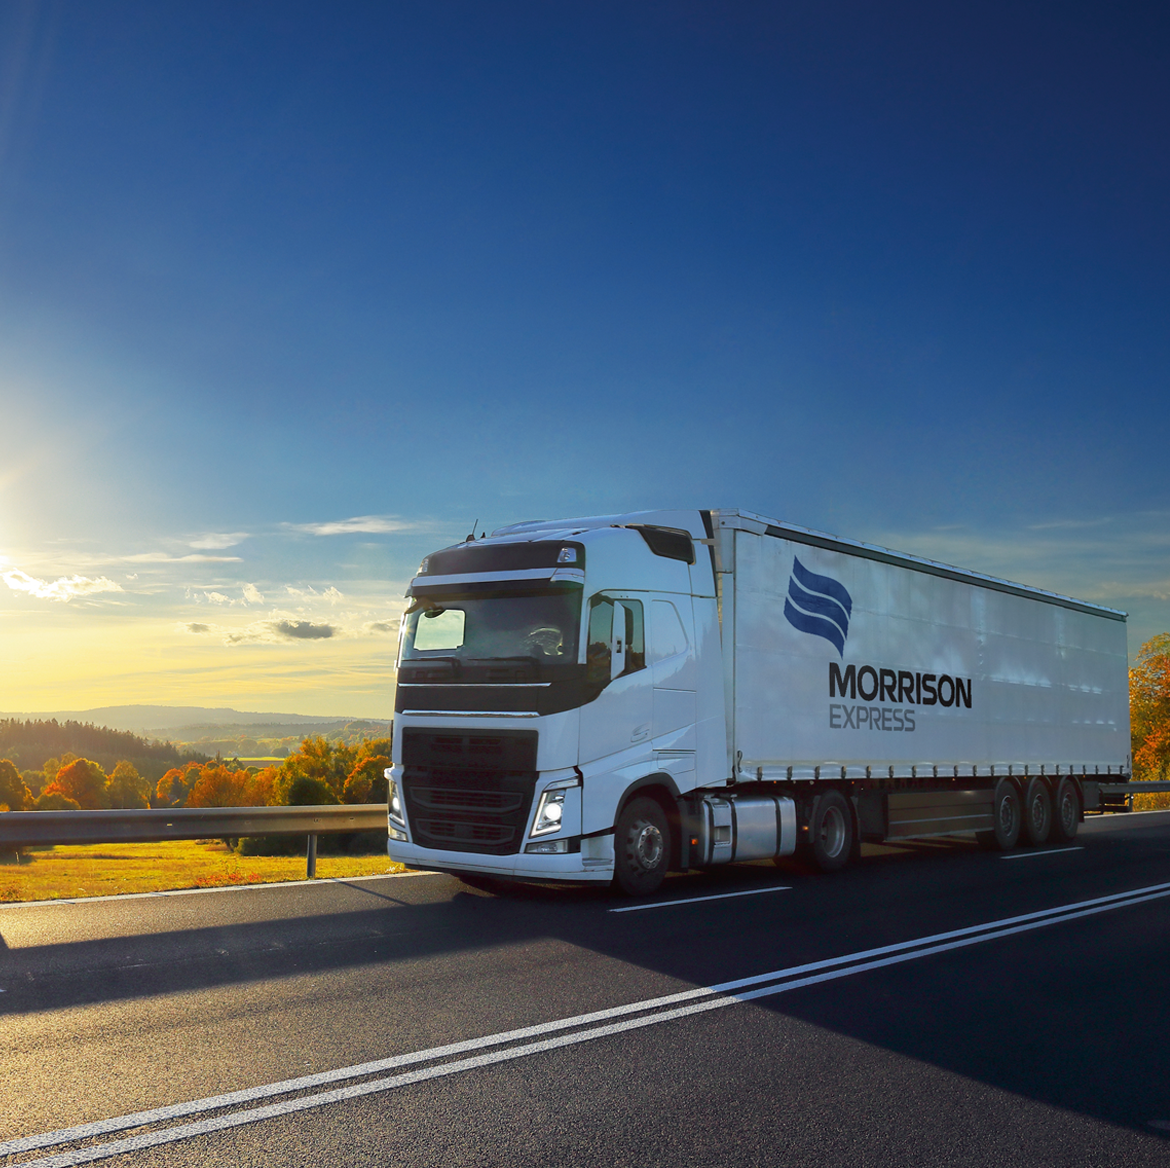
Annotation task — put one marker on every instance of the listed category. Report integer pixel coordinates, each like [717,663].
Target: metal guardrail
[1129,790]
[1138,788]
[39,829]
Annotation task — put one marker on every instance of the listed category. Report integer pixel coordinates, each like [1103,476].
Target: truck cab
[557,682]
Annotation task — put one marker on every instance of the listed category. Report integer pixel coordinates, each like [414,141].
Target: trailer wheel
[1006,809]
[641,847]
[1066,812]
[830,832]
[1037,813]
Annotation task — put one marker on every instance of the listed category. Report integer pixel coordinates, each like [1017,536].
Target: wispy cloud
[165,558]
[286,628]
[252,594]
[216,541]
[359,525]
[332,594]
[279,630]
[65,589]
[380,627]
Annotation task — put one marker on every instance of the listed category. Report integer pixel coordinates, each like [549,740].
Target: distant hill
[153,720]
[156,738]
[29,742]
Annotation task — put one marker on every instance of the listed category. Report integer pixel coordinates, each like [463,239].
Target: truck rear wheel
[830,832]
[1037,813]
[641,847]
[1006,810]
[1066,812]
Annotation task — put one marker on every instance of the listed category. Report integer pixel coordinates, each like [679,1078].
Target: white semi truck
[616,697]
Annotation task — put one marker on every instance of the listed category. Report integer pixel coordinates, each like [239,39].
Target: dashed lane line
[697,899]
[1042,852]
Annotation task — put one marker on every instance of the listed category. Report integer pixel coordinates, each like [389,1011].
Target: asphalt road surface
[932,1004]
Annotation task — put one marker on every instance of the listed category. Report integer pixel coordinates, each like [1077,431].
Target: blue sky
[291,293]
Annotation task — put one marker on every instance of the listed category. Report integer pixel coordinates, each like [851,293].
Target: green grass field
[109,869]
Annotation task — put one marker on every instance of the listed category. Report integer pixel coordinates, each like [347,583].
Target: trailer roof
[762,525]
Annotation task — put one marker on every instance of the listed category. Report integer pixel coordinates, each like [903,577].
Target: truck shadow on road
[1059,1016]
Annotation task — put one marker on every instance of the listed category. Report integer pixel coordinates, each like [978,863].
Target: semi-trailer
[619,696]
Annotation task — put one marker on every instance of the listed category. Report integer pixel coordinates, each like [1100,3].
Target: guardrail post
[311,858]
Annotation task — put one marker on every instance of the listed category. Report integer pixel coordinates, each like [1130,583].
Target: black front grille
[469,792]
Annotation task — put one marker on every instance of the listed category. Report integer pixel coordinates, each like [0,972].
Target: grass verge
[109,869]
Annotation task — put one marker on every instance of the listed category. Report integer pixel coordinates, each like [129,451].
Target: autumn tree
[222,786]
[174,787]
[1149,708]
[366,783]
[82,781]
[14,792]
[127,788]
[318,758]
[51,799]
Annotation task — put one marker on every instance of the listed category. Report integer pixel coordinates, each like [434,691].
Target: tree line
[318,773]
[30,744]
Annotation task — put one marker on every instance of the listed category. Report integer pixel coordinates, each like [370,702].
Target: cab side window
[619,645]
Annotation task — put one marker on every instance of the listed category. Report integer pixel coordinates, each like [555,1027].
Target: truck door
[672,667]
[619,717]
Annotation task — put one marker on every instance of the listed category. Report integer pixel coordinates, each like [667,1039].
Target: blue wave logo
[819,605]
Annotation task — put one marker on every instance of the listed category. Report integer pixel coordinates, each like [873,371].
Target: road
[932,1004]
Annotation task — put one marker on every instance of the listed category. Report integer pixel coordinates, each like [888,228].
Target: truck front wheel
[1006,812]
[830,832]
[641,848]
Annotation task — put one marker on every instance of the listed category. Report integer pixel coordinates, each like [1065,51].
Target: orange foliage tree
[366,782]
[1149,708]
[82,781]
[176,784]
[220,786]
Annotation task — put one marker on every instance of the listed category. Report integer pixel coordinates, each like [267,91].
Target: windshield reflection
[539,627]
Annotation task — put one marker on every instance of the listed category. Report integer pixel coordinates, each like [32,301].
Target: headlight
[394,801]
[550,811]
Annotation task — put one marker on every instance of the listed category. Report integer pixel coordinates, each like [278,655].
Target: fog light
[395,834]
[548,847]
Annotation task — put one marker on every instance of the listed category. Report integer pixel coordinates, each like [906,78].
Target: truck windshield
[540,627]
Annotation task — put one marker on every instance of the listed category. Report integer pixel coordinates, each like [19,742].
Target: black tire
[1066,812]
[1037,813]
[830,833]
[1008,818]
[641,847]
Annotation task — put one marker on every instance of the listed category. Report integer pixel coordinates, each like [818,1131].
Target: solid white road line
[316,883]
[697,899]
[700,1000]
[1043,852]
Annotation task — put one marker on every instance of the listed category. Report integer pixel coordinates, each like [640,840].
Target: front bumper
[594,863]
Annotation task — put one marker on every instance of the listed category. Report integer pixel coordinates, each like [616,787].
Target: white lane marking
[1044,852]
[825,970]
[322,880]
[697,899]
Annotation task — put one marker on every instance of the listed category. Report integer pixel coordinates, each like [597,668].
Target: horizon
[290,297]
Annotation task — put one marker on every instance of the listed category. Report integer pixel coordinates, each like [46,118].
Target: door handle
[640,732]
